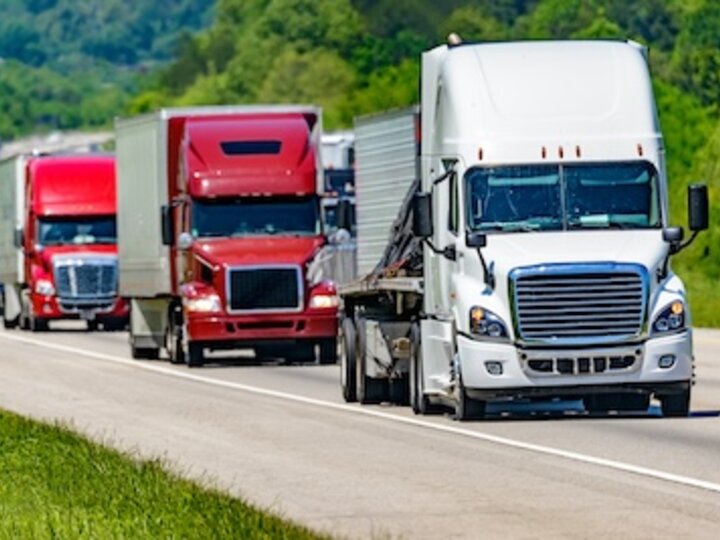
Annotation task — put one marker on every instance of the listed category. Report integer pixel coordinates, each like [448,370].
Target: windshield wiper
[517,226]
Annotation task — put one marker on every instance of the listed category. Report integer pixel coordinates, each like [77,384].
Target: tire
[467,408]
[174,341]
[301,353]
[38,324]
[419,402]
[144,353]
[24,318]
[11,324]
[195,355]
[93,326]
[328,351]
[348,369]
[602,403]
[676,405]
[369,390]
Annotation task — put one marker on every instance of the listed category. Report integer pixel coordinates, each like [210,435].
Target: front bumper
[519,378]
[239,329]
[55,308]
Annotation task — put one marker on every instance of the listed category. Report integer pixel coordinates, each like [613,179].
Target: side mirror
[674,237]
[422,215]
[18,237]
[476,240]
[698,207]
[168,226]
[185,241]
[344,214]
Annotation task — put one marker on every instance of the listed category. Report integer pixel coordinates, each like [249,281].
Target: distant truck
[219,231]
[530,244]
[58,251]
[338,158]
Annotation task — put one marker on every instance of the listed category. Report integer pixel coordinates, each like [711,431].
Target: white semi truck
[528,256]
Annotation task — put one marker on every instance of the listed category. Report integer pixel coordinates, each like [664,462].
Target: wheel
[93,326]
[301,353]
[24,311]
[328,351]
[114,325]
[144,353]
[419,402]
[602,403]
[467,408]
[369,390]
[676,405]
[174,340]
[11,324]
[348,373]
[38,324]
[195,355]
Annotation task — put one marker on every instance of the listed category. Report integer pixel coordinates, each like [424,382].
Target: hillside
[73,63]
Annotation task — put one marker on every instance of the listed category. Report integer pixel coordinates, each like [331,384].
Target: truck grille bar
[264,289]
[86,282]
[567,304]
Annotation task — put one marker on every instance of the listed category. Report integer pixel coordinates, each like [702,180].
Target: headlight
[671,318]
[44,287]
[204,304]
[324,301]
[486,323]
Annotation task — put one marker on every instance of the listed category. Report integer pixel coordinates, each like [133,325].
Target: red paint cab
[68,242]
[242,225]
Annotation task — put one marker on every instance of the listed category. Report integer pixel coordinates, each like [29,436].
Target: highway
[281,437]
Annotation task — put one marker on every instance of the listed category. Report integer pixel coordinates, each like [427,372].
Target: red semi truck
[58,252]
[220,233]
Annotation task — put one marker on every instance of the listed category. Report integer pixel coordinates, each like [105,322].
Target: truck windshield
[61,231]
[256,216]
[557,197]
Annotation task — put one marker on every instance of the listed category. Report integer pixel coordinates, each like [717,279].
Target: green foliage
[54,484]
[350,56]
[69,64]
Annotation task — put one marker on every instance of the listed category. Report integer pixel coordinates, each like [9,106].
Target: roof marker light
[561,152]
[578,152]
[543,152]
[480,154]
[639,149]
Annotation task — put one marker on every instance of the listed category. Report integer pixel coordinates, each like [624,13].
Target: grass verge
[55,484]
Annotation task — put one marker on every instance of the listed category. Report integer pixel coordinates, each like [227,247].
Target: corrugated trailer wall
[386,163]
[142,191]
[12,196]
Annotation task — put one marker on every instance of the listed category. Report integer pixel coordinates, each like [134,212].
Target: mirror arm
[685,244]
[449,252]
[489,277]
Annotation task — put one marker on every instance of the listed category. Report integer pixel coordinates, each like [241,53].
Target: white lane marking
[547,450]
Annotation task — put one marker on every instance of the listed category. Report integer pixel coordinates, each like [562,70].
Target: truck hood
[258,250]
[510,251]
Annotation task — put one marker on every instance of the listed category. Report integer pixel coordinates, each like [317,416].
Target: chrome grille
[600,303]
[265,289]
[86,278]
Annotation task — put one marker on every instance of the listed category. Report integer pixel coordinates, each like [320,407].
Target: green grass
[55,484]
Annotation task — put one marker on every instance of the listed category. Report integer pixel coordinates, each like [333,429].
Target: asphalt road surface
[281,437]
